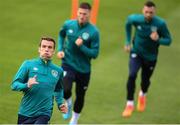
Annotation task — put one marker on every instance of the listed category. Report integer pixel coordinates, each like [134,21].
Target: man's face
[83,15]
[46,50]
[148,12]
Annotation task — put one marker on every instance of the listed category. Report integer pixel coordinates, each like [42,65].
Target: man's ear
[143,10]
[39,49]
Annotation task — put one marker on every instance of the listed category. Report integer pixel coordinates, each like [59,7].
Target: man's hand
[63,108]
[127,48]
[32,81]
[154,36]
[60,55]
[79,42]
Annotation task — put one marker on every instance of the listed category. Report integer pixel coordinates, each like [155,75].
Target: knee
[145,79]
[81,96]
[132,75]
[146,82]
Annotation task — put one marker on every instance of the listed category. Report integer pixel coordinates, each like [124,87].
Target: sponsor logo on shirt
[35,68]
[139,27]
[85,87]
[85,35]
[64,73]
[151,68]
[70,31]
[54,73]
[133,55]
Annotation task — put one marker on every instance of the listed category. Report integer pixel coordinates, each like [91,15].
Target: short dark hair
[85,5]
[149,3]
[48,39]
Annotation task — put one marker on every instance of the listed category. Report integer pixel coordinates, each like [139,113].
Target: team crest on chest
[85,35]
[54,73]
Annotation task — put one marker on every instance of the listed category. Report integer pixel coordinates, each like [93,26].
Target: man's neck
[45,60]
[82,24]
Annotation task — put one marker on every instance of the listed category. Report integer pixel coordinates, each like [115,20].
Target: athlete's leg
[82,81]
[147,71]
[69,77]
[134,66]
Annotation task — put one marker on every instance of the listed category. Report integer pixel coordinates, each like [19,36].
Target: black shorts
[41,119]
[81,80]
[75,76]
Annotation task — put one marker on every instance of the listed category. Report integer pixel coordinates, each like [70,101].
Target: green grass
[22,23]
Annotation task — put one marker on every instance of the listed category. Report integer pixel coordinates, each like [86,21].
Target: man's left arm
[58,93]
[93,51]
[165,37]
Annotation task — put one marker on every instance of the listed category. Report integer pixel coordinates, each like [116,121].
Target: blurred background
[22,23]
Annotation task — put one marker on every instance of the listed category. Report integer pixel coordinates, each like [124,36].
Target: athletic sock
[74,119]
[130,102]
[141,93]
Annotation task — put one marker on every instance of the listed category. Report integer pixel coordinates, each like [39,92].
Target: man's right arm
[59,91]
[128,29]
[61,37]
[20,80]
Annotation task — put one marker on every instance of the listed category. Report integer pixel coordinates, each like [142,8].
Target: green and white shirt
[78,58]
[143,45]
[38,100]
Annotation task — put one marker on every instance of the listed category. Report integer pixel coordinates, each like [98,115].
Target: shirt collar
[149,21]
[81,26]
[44,62]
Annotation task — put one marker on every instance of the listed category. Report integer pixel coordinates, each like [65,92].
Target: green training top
[78,57]
[38,100]
[143,45]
